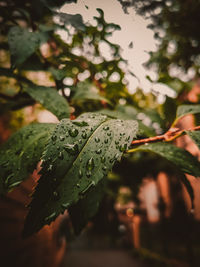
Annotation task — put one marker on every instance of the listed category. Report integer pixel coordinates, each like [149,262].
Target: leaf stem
[169,136]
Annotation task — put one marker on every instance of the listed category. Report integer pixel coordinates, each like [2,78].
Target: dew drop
[123,147]
[104,168]
[71,148]
[106,128]
[54,137]
[112,160]
[88,174]
[62,138]
[80,173]
[99,151]
[103,159]
[73,132]
[60,155]
[84,135]
[90,164]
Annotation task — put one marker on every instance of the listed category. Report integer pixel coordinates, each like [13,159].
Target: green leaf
[86,207]
[186,162]
[23,44]
[21,153]
[187,109]
[79,155]
[75,20]
[129,113]
[195,136]
[50,99]
[85,91]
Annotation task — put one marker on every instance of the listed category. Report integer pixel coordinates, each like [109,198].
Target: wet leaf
[21,153]
[70,167]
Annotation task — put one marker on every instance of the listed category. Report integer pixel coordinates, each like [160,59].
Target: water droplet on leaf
[73,132]
[99,151]
[54,137]
[60,155]
[84,135]
[97,140]
[90,164]
[88,174]
[80,173]
[123,147]
[62,138]
[106,128]
[103,159]
[71,148]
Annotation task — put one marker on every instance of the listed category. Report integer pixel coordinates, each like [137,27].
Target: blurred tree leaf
[185,161]
[50,99]
[23,44]
[21,153]
[195,136]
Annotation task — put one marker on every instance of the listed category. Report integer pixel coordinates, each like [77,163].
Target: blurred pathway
[100,258]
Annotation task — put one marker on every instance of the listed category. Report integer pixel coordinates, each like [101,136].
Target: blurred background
[131,60]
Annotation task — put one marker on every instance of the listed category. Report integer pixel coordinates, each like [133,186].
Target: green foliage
[85,149]
[21,153]
[78,154]
[185,161]
[187,109]
[23,44]
[50,99]
[86,207]
[85,91]
[195,136]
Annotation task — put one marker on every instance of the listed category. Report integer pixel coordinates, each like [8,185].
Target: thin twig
[169,136]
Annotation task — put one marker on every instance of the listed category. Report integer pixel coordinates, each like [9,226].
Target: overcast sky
[133,29]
